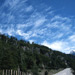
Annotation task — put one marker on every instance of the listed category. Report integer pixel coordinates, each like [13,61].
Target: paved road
[66,71]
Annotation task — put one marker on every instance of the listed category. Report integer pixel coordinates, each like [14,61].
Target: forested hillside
[16,53]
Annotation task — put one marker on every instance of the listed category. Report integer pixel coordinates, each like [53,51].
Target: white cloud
[58,35]
[57,45]
[29,8]
[48,9]
[10,32]
[13,3]
[72,38]
[5,29]
[34,34]
[60,18]
[51,12]
[21,26]
[31,41]
[23,34]
[62,46]
[40,21]
[55,24]
[1,31]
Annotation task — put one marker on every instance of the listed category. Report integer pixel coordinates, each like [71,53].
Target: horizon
[50,23]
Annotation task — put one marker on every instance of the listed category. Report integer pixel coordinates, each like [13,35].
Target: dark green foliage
[14,53]
[35,70]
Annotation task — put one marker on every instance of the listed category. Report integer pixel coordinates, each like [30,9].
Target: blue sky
[47,22]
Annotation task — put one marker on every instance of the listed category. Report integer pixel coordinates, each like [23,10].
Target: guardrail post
[3,72]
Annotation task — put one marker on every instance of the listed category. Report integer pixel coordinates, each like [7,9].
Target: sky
[47,22]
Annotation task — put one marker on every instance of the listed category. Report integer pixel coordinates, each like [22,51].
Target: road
[66,71]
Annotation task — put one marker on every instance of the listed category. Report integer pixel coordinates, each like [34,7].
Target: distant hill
[16,53]
[72,52]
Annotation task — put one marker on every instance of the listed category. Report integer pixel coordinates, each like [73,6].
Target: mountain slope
[72,52]
[19,53]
